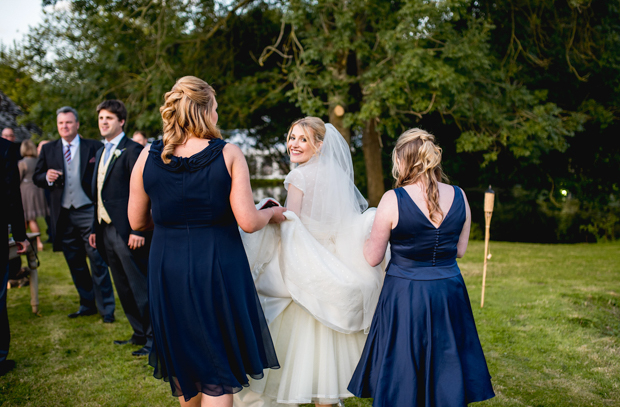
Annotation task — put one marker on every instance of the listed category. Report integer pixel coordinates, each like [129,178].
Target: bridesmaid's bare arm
[139,208]
[461,246]
[386,219]
[248,217]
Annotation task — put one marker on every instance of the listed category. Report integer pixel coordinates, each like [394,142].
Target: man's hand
[22,246]
[278,214]
[135,242]
[52,175]
[92,240]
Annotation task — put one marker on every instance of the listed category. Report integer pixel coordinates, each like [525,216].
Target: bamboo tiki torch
[489,198]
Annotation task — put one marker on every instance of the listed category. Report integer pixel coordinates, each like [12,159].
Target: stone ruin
[8,118]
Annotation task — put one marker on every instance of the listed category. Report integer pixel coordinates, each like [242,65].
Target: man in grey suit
[65,167]
[124,249]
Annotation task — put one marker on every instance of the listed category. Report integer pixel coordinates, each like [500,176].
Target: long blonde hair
[313,128]
[415,157]
[187,112]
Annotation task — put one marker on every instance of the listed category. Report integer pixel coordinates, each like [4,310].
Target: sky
[15,18]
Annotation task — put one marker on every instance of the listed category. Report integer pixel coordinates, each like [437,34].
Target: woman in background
[423,347]
[33,197]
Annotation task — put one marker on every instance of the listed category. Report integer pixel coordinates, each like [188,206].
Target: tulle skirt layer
[317,362]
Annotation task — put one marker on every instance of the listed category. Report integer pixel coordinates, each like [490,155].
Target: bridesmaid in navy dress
[423,347]
[210,333]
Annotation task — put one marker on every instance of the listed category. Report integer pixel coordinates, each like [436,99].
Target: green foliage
[19,86]
[400,61]
[521,94]
[569,53]
[14,82]
[135,51]
[603,224]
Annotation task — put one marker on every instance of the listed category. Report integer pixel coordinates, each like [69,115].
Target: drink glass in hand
[60,180]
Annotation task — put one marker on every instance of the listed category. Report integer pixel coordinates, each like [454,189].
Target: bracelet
[273,213]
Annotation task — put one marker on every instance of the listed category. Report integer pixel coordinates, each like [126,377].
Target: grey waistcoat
[73,195]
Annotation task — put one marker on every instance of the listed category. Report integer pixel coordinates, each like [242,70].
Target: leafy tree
[392,63]
[571,51]
[522,94]
[19,86]
[134,51]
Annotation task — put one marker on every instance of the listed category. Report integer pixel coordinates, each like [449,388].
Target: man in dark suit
[11,212]
[66,167]
[125,250]
[9,134]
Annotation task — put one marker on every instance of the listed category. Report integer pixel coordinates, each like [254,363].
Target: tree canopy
[521,94]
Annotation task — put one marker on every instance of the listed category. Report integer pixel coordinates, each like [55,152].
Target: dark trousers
[5,333]
[130,278]
[95,290]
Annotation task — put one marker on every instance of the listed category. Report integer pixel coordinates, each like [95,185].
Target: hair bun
[416,157]
[186,112]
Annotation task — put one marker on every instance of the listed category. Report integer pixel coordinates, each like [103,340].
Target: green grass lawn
[550,329]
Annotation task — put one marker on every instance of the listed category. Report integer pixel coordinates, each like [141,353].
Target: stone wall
[8,118]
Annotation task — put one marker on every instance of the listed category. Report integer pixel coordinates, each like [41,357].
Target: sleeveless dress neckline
[426,217]
[192,163]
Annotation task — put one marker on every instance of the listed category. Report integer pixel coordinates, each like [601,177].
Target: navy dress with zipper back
[210,333]
[423,348]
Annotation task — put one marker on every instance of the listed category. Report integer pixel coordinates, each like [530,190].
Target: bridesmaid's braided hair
[187,112]
[417,157]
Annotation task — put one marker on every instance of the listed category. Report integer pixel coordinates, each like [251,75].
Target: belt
[416,270]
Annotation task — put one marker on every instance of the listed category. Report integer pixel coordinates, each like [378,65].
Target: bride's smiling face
[300,147]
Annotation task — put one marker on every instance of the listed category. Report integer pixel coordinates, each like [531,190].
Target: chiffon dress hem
[210,333]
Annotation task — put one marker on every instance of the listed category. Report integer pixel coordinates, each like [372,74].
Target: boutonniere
[117,153]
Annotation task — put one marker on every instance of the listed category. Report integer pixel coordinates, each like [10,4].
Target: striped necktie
[68,153]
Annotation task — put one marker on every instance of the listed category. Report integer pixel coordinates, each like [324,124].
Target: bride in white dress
[317,291]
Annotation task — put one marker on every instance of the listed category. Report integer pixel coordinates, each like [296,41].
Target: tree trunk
[371,146]
[338,122]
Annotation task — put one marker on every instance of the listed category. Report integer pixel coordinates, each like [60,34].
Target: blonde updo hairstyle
[416,157]
[313,128]
[187,112]
[28,149]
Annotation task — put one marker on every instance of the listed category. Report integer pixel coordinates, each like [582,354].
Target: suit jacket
[115,193]
[11,211]
[52,157]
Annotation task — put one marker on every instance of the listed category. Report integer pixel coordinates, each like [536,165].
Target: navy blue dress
[423,347]
[209,329]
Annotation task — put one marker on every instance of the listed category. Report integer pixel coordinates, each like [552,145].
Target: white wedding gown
[318,294]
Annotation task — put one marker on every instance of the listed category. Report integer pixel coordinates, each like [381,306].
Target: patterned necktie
[108,149]
[68,153]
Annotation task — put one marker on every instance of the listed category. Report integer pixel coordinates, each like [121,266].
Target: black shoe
[131,341]
[143,351]
[108,319]
[6,366]
[82,313]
